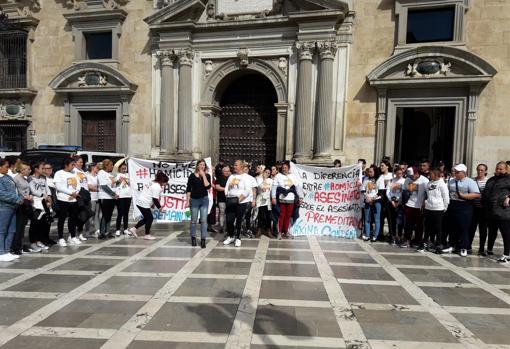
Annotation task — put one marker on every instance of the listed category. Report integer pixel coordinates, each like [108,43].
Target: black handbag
[231,201]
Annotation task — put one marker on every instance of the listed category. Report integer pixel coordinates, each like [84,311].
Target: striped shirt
[481,186]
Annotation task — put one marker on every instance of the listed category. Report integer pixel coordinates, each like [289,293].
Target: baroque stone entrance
[248,120]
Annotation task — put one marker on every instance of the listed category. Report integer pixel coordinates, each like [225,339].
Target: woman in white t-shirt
[370,190]
[92,225]
[68,189]
[82,181]
[394,191]
[148,199]
[264,184]
[124,200]
[107,197]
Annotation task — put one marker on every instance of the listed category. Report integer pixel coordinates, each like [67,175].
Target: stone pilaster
[474,96]
[304,111]
[380,128]
[166,59]
[324,122]
[185,111]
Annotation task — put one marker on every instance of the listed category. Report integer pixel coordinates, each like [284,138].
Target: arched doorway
[248,123]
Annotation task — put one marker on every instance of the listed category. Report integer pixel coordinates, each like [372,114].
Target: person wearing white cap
[463,191]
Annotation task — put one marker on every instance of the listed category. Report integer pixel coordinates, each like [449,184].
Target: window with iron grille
[13,136]
[13,59]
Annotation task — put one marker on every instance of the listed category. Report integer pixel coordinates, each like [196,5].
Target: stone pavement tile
[287,269]
[66,251]
[221,288]
[491,329]
[155,266]
[507,291]
[214,267]
[302,244]
[245,243]
[257,346]
[339,246]
[131,241]
[130,285]
[51,283]
[89,264]
[492,277]
[402,326]
[377,294]
[173,345]
[432,275]
[189,317]
[14,309]
[295,290]
[174,252]
[29,262]
[289,255]
[411,260]
[384,247]
[7,276]
[117,251]
[232,252]
[296,321]
[93,314]
[349,258]
[29,342]
[360,273]
[464,297]
[473,262]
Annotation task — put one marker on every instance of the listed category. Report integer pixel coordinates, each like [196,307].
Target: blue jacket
[9,194]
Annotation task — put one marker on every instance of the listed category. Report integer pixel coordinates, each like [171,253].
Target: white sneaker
[448,250]
[6,258]
[82,238]
[463,253]
[127,232]
[228,240]
[133,232]
[62,243]
[42,246]
[117,233]
[149,237]
[96,234]
[238,243]
[76,241]
[35,248]
[15,256]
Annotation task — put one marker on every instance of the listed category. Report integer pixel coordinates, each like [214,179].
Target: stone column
[304,112]
[380,128]
[324,123]
[474,96]
[167,101]
[185,117]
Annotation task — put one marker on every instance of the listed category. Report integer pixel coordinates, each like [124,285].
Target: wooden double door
[98,130]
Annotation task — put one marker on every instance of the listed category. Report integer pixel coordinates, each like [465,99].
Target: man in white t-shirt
[416,187]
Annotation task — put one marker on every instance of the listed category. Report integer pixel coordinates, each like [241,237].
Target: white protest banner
[332,201]
[173,197]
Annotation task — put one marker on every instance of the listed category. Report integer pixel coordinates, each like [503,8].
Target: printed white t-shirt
[147,194]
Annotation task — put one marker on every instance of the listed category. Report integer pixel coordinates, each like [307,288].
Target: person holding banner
[149,198]
[107,197]
[237,192]
[287,192]
[197,199]
[370,190]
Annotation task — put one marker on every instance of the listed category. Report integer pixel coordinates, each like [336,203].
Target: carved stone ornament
[185,56]
[327,49]
[283,65]
[89,79]
[12,109]
[305,49]
[243,57]
[211,10]
[428,68]
[208,68]
[79,5]
[166,57]
[163,3]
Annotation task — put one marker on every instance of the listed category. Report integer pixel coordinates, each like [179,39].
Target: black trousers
[69,211]
[146,220]
[235,215]
[504,228]
[21,222]
[264,218]
[248,216]
[460,216]
[480,222]
[493,235]
[433,226]
[107,207]
[123,205]
[38,228]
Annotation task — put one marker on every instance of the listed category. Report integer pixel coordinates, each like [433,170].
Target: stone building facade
[310,80]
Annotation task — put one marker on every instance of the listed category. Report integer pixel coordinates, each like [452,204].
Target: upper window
[13,59]
[430,21]
[98,45]
[430,25]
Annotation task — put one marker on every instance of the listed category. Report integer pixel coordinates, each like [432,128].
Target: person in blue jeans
[370,189]
[10,199]
[197,200]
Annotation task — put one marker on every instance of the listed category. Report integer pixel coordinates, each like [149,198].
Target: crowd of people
[430,209]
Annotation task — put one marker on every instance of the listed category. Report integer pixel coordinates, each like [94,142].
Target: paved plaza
[305,293]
